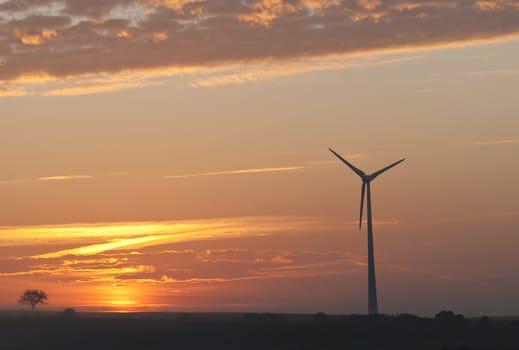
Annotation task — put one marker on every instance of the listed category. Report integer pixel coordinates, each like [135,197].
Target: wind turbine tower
[366,183]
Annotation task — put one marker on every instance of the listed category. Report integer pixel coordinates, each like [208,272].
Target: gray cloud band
[70,38]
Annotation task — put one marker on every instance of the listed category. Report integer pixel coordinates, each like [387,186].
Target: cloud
[72,40]
[240,171]
[494,72]
[103,247]
[48,179]
[495,142]
[65,177]
[10,92]
[119,235]
[272,70]
[191,267]
[88,89]
[266,170]
[55,178]
[149,254]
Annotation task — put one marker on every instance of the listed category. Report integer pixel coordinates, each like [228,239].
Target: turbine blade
[362,203]
[377,173]
[356,170]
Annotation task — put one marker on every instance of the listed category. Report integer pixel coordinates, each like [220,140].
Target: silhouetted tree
[33,297]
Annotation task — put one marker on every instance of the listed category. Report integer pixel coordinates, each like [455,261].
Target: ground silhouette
[72,330]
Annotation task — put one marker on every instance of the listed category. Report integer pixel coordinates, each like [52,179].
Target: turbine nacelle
[366,178]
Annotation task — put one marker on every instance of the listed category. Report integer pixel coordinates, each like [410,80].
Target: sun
[121,305]
[122,302]
[120,298]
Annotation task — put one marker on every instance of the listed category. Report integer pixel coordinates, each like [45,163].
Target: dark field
[252,331]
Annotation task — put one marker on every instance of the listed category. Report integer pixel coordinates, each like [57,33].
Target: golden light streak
[123,236]
[65,177]
[103,247]
[5,92]
[77,232]
[91,273]
[140,242]
[46,85]
[167,231]
[240,171]
[48,179]
[98,88]
[59,178]
[271,71]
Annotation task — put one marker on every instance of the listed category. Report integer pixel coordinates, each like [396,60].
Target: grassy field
[53,330]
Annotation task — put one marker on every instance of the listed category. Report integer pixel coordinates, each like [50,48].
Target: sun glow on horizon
[118,298]
[196,177]
[132,267]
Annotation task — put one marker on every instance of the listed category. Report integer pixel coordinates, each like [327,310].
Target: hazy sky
[172,154]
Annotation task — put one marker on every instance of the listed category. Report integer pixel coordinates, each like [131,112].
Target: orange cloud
[263,12]
[489,5]
[38,38]
[369,4]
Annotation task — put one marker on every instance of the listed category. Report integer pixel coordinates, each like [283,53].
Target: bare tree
[33,297]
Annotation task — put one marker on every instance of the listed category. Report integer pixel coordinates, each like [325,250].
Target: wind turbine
[366,182]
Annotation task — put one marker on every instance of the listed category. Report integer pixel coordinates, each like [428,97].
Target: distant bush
[449,316]
[407,318]
[251,316]
[321,317]
[485,321]
[272,317]
[70,313]
[266,317]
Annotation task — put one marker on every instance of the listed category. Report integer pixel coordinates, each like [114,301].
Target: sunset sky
[172,155]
